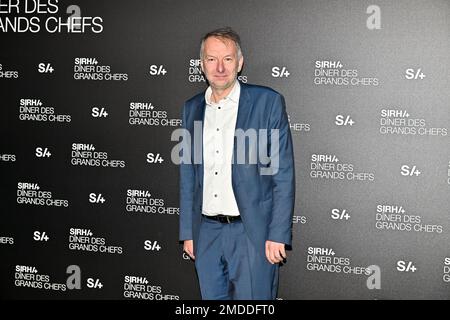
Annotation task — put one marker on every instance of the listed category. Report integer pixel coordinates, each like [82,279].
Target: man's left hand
[275,251]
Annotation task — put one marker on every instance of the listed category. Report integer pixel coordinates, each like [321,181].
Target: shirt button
[216,173]
[217,151]
[217,129]
[215,195]
[219,108]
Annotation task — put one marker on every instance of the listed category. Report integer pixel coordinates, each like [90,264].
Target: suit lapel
[242,122]
[201,117]
[243,111]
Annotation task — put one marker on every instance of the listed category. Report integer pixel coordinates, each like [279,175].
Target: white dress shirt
[218,141]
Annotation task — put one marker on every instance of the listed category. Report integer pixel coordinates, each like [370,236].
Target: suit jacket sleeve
[187,181]
[283,179]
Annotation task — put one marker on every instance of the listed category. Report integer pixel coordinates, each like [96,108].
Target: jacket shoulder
[254,89]
[195,99]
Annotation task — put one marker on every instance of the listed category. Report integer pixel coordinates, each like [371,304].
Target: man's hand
[188,247]
[275,251]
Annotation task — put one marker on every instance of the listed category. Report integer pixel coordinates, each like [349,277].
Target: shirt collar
[233,95]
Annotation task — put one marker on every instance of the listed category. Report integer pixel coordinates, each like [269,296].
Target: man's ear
[241,63]
[201,65]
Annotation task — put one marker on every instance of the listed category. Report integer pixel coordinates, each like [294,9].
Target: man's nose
[220,66]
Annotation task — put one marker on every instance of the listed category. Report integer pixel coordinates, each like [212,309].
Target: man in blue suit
[237,181]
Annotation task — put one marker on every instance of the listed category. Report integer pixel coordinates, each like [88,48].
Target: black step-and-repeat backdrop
[91,92]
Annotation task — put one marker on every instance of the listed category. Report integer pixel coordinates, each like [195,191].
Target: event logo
[152,245]
[398,121]
[332,72]
[406,266]
[414,74]
[99,112]
[395,218]
[96,198]
[40,236]
[45,68]
[85,154]
[137,287]
[35,110]
[325,260]
[84,240]
[344,120]
[142,201]
[90,69]
[280,72]
[409,170]
[146,113]
[340,214]
[157,70]
[43,152]
[329,167]
[154,158]
[30,277]
[31,193]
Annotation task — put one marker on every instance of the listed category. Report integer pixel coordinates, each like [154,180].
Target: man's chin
[221,86]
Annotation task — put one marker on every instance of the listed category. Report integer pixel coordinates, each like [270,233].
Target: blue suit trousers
[230,267]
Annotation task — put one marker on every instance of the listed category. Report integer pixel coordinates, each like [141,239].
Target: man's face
[220,63]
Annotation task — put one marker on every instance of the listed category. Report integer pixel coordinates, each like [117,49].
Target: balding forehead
[228,43]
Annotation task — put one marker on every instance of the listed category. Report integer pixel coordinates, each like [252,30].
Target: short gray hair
[223,33]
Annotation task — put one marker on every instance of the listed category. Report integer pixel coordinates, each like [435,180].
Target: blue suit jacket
[265,202]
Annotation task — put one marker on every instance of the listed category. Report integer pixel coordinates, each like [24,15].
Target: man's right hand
[188,247]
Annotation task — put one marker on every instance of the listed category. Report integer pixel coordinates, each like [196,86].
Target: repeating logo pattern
[90,119]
